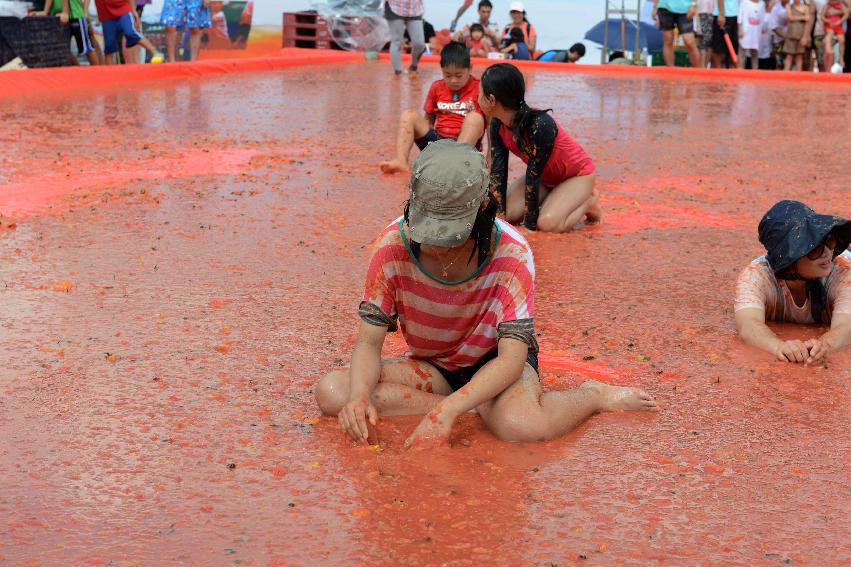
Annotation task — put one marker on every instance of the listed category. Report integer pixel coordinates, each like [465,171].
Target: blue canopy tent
[624,35]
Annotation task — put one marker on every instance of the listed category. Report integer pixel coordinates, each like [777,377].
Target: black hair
[455,54]
[505,82]
[516,35]
[578,48]
[616,55]
[485,4]
[481,233]
[816,292]
[477,27]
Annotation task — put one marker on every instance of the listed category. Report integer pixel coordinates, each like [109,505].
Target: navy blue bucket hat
[790,230]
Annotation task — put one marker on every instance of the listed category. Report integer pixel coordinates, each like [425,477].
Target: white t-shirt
[751,17]
[765,38]
[779,20]
[819,27]
[705,6]
[757,288]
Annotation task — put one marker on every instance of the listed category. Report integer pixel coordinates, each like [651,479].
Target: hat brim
[812,233]
[429,227]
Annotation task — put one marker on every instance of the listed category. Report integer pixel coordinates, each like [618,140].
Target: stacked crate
[306,29]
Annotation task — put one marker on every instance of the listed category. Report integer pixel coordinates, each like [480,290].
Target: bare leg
[668,47]
[92,56]
[171,43]
[717,60]
[411,127]
[406,387]
[787,62]
[568,203]
[131,54]
[472,129]
[110,58]
[149,47]
[524,413]
[194,43]
[691,46]
[841,47]
[515,205]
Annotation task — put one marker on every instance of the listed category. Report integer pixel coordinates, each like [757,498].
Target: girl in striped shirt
[460,285]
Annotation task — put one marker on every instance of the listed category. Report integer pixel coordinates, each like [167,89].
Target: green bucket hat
[448,183]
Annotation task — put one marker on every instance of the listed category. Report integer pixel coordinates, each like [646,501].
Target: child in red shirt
[119,17]
[479,45]
[451,110]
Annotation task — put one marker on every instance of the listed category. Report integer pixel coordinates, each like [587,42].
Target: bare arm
[364,373]
[431,119]
[490,381]
[532,43]
[836,339]
[750,323]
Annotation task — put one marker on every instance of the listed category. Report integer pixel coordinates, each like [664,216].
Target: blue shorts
[112,30]
[189,14]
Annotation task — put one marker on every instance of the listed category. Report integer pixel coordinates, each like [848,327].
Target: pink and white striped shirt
[453,325]
[407,8]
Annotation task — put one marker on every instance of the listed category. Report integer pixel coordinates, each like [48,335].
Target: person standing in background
[191,14]
[402,15]
[703,31]
[679,13]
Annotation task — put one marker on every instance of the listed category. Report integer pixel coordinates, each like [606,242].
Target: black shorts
[431,136]
[79,30]
[719,46]
[458,378]
[667,21]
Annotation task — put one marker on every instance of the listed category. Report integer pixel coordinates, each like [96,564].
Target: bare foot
[621,398]
[594,213]
[393,166]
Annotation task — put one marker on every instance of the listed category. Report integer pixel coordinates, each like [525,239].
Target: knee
[410,116]
[332,392]
[548,223]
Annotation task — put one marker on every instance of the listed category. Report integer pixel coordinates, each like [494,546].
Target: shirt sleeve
[542,139]
[499,164]
[518,304]
[839,287]
[754,289]
[431,100]
[378,306]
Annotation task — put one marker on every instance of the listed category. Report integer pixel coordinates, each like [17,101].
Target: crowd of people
[759,34]
[121,23]
[483,37]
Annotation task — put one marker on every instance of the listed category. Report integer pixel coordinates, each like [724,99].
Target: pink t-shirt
[452,325]
[568,159]
[758,288]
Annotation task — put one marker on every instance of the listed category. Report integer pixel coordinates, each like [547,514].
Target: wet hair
[477,27]
[579,48]
[485,4]
[516,35]
[616,55]
[481,233]
[505,82]
[816,291]
[455,54]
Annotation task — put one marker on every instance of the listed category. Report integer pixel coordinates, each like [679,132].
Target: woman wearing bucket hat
[557,191]
[805,277]
[460,285]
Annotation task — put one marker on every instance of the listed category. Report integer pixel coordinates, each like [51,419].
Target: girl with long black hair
[460,284]
[557,191]
[805,277]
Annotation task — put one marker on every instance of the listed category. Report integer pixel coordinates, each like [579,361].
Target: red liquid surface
[181,261]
